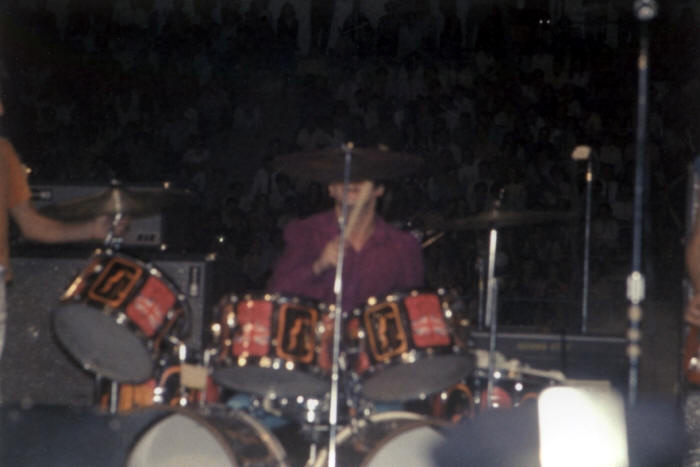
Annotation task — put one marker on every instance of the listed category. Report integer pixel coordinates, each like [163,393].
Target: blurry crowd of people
[207,97]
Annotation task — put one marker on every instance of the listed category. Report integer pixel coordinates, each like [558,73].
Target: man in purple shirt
[379,259]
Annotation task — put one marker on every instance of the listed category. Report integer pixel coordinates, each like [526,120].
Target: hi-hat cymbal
[141,202]
[327,165]
[496,218]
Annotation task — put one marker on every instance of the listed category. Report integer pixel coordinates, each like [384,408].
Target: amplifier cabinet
[576,356]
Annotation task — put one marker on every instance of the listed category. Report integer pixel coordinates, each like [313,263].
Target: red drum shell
[272,344]
[411,346]
[117,314]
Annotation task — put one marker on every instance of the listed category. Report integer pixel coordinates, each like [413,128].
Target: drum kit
[312,364]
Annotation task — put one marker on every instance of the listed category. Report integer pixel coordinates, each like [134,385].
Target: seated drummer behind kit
[15,201]
[378,259]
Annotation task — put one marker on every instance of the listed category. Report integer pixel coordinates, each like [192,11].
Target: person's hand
[328,257]
[102,225]
[692,310]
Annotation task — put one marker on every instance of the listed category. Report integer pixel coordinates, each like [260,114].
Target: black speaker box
[34,367]
[576,356]
[60,436]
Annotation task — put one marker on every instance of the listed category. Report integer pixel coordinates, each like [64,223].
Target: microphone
[645,9]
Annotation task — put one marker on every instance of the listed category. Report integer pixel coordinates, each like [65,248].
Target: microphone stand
[586,249]
[491,313]
[645,10]
[337,321]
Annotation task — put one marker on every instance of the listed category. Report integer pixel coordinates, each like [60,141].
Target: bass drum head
[100,344]
[212,438]
[390,438]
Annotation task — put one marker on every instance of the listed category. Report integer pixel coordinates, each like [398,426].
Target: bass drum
[212,437]
[389,438]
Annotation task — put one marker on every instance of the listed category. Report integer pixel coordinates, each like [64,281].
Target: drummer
[378,258]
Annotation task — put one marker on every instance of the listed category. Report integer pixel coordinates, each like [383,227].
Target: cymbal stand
[111,240]
[491,311]
[337,322]
[113,398]
[481,291]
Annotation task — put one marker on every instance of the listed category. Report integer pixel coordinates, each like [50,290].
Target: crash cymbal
[327,165]
[141,202]
[496,218]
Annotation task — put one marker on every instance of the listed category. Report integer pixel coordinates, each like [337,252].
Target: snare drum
[388,438]
[269,344]
[116,315]
[410,346]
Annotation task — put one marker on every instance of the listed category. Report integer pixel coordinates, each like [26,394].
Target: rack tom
[270,344]
[412,345]
[117,314]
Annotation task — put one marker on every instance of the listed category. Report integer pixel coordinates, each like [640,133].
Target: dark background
[205,97]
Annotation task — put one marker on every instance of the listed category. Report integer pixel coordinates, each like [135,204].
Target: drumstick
[362,198]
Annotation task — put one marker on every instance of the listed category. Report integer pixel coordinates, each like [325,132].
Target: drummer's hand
[101,226]
[328,258]
[692,310]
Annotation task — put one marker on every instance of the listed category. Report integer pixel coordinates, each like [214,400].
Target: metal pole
[482,292]
[587,249]
[645,11]
[492,314]
[337,322]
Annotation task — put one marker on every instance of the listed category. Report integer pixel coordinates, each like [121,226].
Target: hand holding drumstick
[358,227]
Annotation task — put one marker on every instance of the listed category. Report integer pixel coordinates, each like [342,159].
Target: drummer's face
[335,190]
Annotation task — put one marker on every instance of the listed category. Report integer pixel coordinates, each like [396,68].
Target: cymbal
[496,218]
[141,202]
[327,165]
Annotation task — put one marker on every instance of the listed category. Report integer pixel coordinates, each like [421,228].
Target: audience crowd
[205,94]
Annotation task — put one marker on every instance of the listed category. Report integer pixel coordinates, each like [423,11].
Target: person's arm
[300,267]
[37,227]
[34,225]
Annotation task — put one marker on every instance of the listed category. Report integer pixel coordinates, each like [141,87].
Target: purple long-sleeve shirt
[390,261]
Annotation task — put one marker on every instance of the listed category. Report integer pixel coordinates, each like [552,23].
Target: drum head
[387,438]
[402,382]
[179,441]
[265,381]
[100,344]
[186,438]
[410,447]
